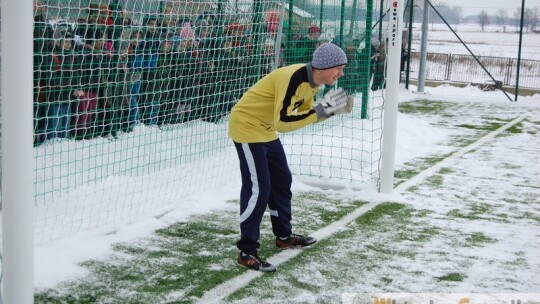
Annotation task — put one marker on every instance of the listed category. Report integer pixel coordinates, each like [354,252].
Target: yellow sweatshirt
[282,101]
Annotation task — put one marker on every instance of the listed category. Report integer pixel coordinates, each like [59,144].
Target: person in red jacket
[281,101]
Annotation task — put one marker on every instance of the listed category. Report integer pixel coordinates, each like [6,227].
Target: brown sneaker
[254,262]
[294,241]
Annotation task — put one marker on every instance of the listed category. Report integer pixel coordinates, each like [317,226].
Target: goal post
[17,154]
[394,46]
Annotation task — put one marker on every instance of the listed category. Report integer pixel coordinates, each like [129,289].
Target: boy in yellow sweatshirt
[281,101]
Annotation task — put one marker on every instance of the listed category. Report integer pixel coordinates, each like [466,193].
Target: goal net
[131,101]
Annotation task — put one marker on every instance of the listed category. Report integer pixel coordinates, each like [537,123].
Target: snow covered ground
[466,220]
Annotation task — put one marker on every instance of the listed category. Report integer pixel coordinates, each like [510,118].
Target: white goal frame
[17,153]
[395,30]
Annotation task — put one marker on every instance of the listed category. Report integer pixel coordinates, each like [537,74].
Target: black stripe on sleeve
[297,78]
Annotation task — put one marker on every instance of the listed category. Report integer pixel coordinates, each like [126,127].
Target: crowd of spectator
[102,75]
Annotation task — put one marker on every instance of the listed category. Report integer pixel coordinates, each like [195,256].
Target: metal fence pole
[509,70]
[423,49]
[409,42]
[449,67]
[381,10]
[368,37]
[519,49]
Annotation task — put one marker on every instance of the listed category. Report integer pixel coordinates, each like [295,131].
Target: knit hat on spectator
[325,37]
[187,32]
[327,56]
[269,42]
[62,33]
[313,29]
[201,23]
[234,27]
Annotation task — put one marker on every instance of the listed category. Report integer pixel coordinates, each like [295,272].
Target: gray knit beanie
[327,56]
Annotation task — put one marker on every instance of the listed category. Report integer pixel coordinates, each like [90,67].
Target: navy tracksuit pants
[266,181]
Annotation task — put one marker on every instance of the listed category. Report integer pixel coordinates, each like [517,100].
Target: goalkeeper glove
[335,102]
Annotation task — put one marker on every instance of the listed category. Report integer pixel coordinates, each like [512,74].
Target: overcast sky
[471,7]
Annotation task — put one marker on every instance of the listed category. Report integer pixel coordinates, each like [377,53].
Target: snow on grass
[470,226]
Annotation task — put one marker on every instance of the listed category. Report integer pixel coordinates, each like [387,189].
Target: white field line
[225,289]
[436,167]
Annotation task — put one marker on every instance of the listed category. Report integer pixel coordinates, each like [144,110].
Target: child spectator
[234,32]
[271,19]
[43,46]
[89,66]
[378,68]
[269,55]
[62,88]
[324,38]
[231,65]
[130,111]
[307,45]
[186,81]
[152,42]
[119,81]
[352,79]
[159,84]
[205,73]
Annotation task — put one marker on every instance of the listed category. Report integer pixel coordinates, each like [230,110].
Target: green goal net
[131,101]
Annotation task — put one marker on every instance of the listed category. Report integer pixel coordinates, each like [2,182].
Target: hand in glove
[335,102]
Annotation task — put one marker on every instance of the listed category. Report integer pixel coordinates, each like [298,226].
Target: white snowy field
[474,218]
[471,225]
[490,42]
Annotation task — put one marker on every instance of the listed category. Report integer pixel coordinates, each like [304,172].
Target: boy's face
[66,44]
[39,8]
[268,49]
[330,76]
[151,26]
[185,44]
[205,32]
[99,42]
[136,38]
[166,46]
[314,35]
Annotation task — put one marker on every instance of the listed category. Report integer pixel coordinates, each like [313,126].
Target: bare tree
[458,13]
[535,19]
[529,21]
[483,19]
[503,18]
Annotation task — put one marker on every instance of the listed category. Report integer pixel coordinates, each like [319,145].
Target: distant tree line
[452,14]
[531,17]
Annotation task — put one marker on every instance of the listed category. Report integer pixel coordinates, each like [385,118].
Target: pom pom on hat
[234,27]
[187,32]
[269,42]
[325,37]
[327,56]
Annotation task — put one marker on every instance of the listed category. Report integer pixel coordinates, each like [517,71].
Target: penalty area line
[475,145]
[225,289]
